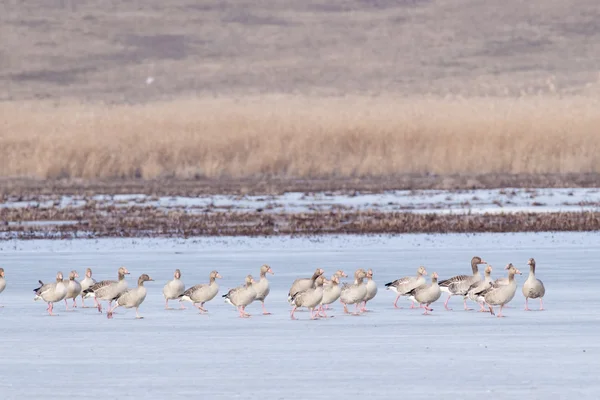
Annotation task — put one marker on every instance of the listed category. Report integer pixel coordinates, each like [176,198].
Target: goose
[51,292]
[460,284]
[404,285]
[86,283]
[302,284]
[479,286]
[2,282]
[499,295]
[331,293]
[107,289]
[427,293]
[309,298]
[73,289]
[241,296]
[131,297]
[340,274]
[533,288]
[262,286]
[203,292]
[174,289]
[354,293]
[371,290]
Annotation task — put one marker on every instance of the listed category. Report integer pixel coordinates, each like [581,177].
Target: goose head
[123,271]
[341,274]
[265,269]
[144,278]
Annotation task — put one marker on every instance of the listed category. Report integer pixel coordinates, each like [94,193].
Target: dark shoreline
[152,222]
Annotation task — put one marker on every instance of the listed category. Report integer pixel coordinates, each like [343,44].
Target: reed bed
[113,221]
[292,137]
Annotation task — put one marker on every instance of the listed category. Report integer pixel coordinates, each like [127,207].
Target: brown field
[96,222]
[280,91]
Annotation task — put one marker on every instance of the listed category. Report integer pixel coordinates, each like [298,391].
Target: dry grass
[301,137]
[96,222]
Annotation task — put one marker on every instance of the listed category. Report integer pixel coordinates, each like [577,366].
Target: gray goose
[533,288]
[51,292]
[404,285]
[131,297]
[262,286]
[86,283]
[203,292]
[309,298]
[371,290]
[340,274]
[107,289]
[301,284]
[73,289]
[479,286]
[354,293]
[427,294]
[174,289]
[241,296]
[499,295]
[459,285]
[331,293]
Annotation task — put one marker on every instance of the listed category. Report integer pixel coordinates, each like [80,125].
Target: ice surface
[386,353]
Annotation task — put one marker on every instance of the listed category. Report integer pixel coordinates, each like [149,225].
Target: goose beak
[271,271]
[219,276]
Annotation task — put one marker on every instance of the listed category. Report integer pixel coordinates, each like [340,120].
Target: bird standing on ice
[459,285]
[132,297]
[73,289]
[331,293]
[51,292]
[241,296]
[500,295]
[174,289]
[479,286]
[108,290]
[371,290]
[262,286]
[404,285]
[203,292]
[86,283]
[301,284]
[309,298]
[354,293]
[427,294]
[533,288]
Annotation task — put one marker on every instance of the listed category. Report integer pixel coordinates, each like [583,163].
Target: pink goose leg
[446,303]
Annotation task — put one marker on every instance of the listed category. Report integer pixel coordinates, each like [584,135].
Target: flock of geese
[315,293]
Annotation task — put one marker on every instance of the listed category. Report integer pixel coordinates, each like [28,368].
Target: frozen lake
[383,354]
